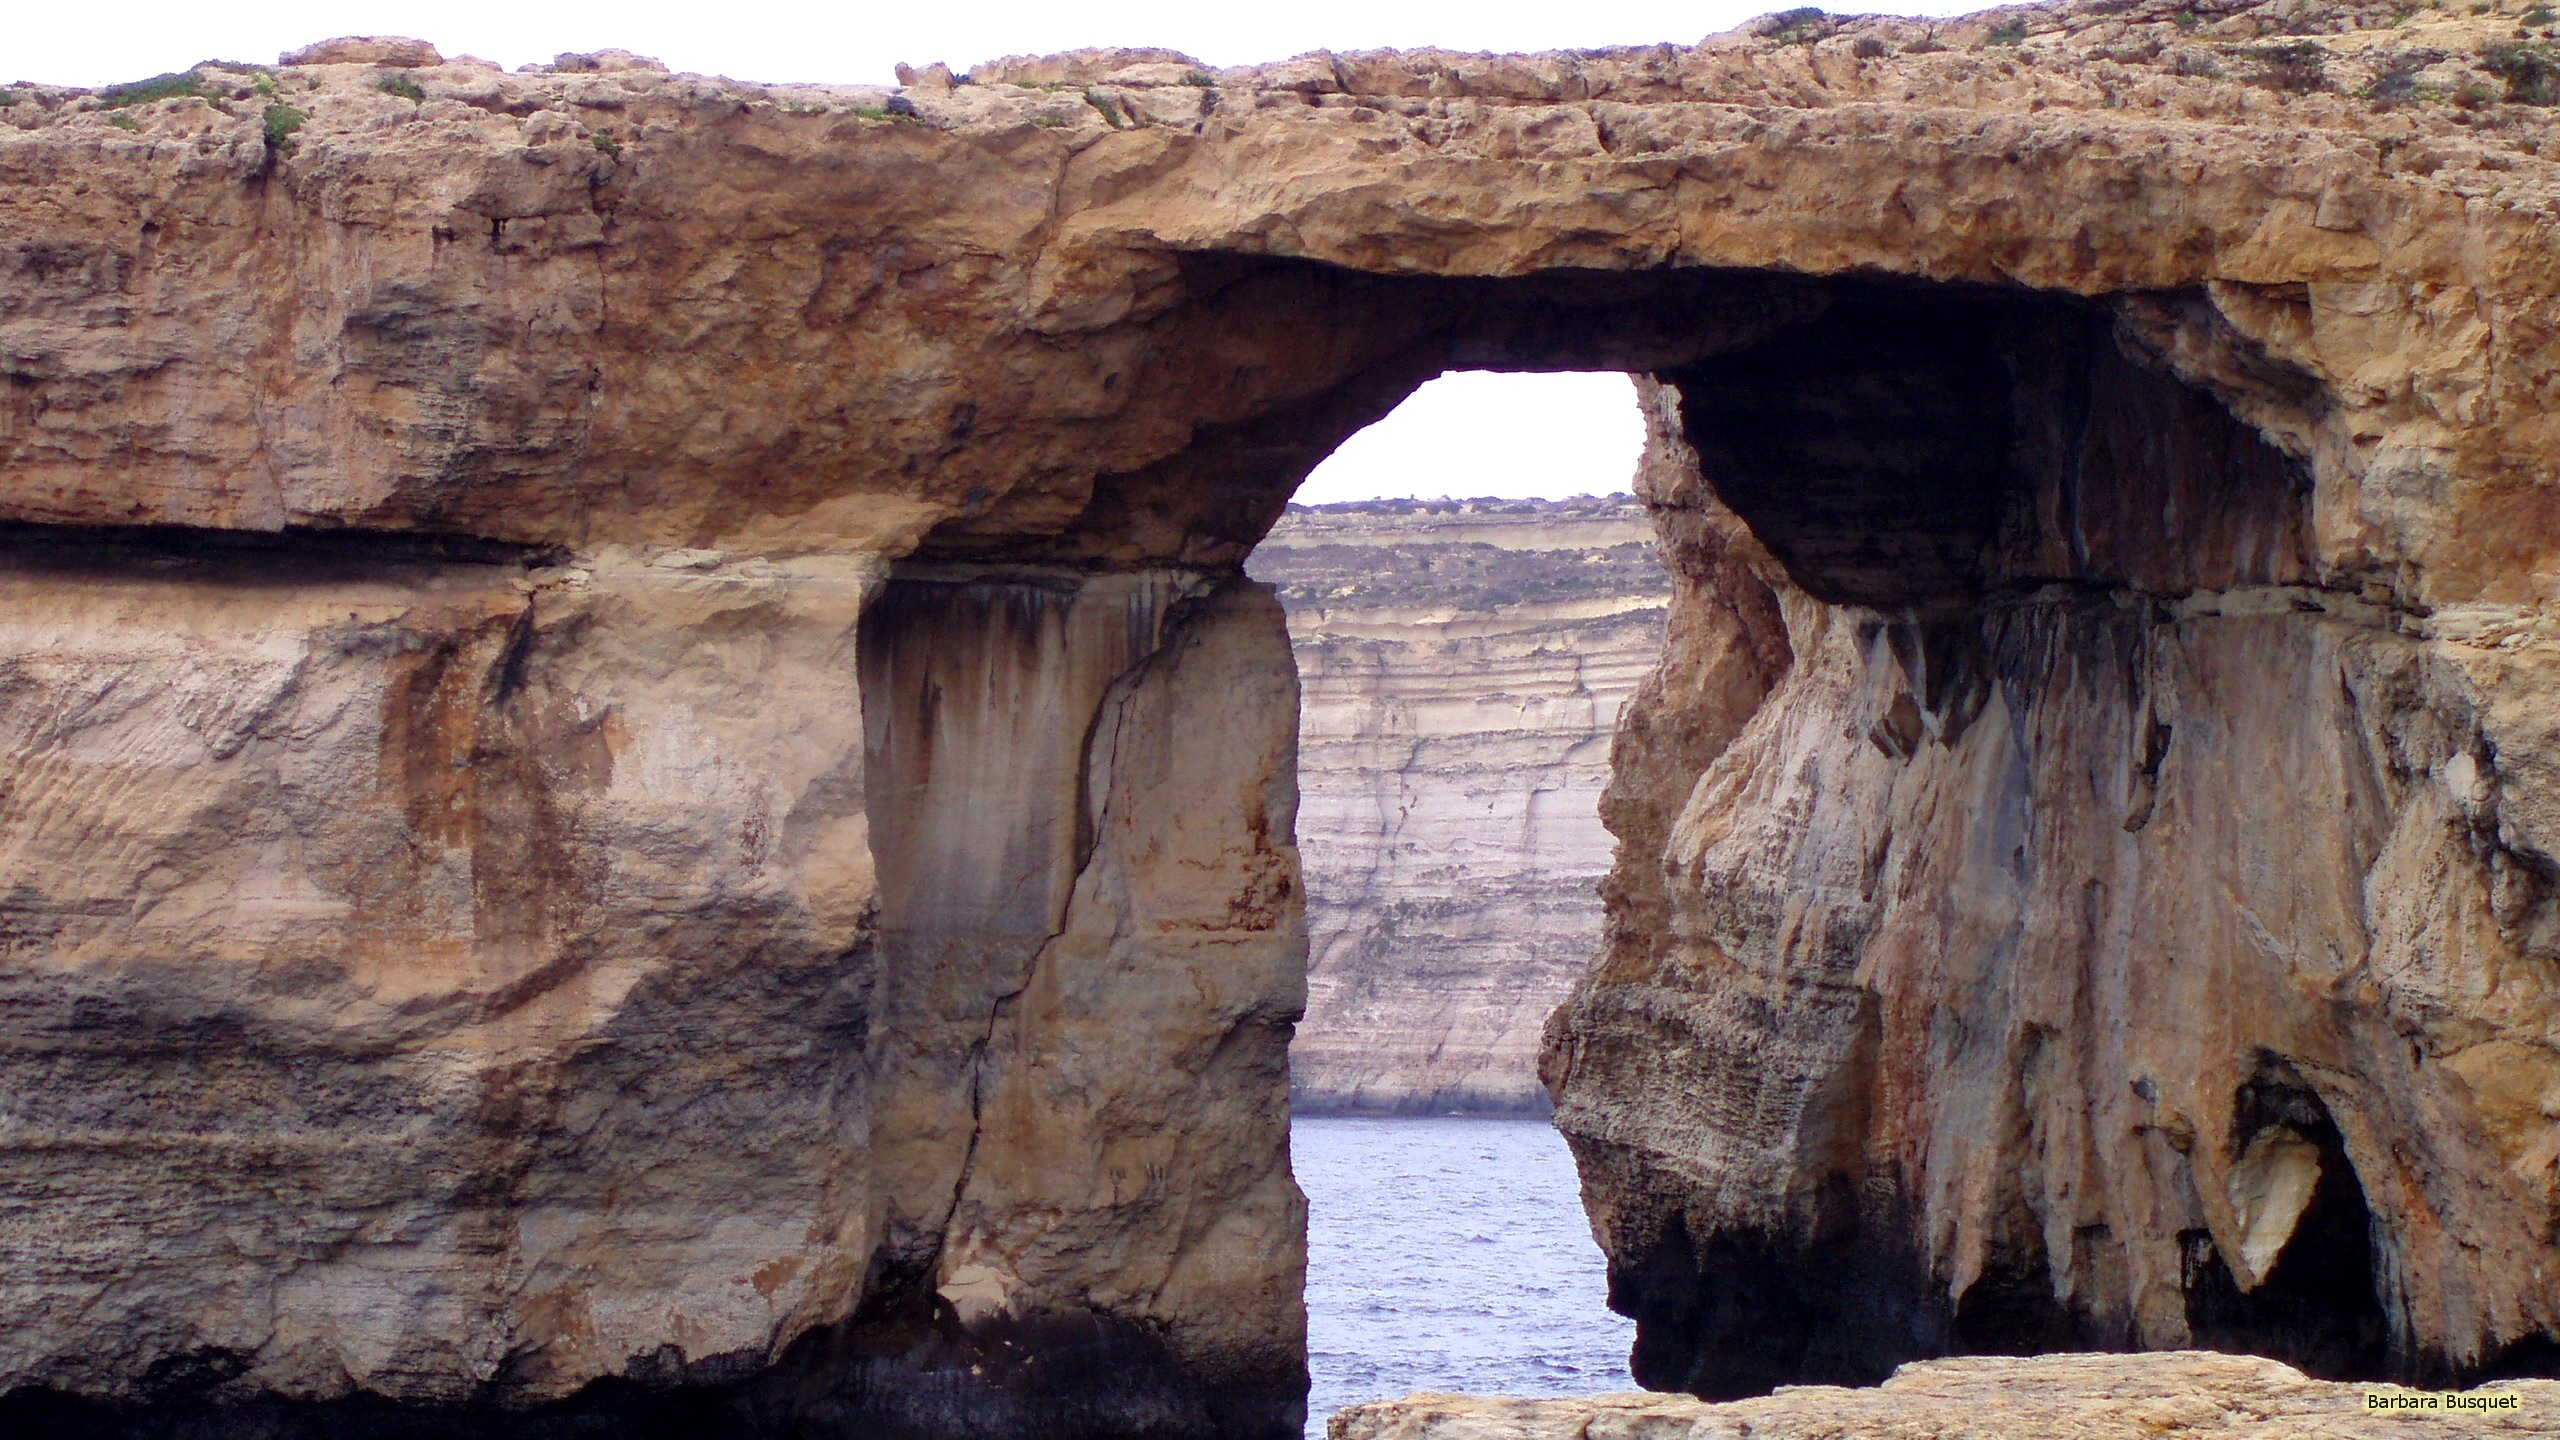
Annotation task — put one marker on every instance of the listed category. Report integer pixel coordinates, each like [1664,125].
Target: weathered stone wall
[450,980]
[2064,935]
[370,914]
[1462,665]
[1081,791]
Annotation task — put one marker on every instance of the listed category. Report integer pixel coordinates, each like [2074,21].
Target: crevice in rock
[2145,785]
[2319,1306]
[295,555]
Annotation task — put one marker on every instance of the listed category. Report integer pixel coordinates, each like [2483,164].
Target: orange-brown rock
[636,774]
[2056,1397]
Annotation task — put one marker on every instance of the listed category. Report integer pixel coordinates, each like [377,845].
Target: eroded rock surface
[2093,929]
[485,550]
[2059,1397]
[1462,665]
[461,980]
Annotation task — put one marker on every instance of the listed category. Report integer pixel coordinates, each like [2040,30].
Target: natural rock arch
[812,929]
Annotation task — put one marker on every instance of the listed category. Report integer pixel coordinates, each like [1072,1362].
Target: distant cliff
[1462,664]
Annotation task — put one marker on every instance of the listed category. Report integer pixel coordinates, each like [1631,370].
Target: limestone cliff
[2061,906]
[1461,665]
[639,781]
[447,979]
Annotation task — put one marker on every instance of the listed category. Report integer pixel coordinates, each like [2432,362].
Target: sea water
[1449,1254]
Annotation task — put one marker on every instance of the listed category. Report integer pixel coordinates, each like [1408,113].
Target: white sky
[1474,434]
[850,43]
[1477,433]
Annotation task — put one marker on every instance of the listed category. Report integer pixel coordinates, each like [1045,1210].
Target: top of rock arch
[599,303]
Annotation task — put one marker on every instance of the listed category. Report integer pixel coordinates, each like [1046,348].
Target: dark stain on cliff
[481,755]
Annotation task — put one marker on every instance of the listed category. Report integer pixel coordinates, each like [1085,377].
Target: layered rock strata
[2058,908]
[2060,1397]
[442,978]
[1461,666]
[494,555]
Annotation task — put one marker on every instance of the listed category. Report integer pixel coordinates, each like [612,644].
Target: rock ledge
[2082,1397]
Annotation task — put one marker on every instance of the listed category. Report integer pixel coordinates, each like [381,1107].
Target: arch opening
[1469,606]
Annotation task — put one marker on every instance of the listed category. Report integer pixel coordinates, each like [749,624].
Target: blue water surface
[1449,1254]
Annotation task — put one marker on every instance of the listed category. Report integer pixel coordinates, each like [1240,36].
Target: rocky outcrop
[2088,918]
[639,781]
[2060,1397]
[452,979]
[1461,666]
